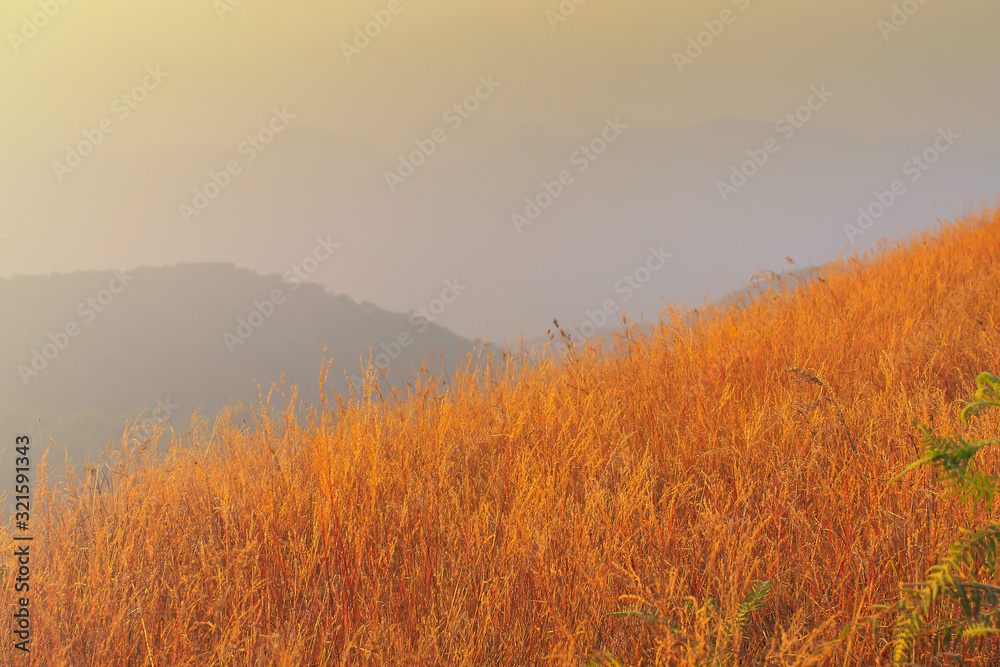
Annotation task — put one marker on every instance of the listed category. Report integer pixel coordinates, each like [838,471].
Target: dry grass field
[503,519]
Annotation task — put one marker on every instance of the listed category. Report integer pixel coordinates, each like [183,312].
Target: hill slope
[499,522]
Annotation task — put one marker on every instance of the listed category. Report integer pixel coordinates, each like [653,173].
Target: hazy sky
[562,67]
[607,56]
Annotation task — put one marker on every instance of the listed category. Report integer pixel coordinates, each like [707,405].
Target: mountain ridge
[197,335]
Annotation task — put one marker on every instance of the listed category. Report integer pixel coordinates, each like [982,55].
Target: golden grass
[500,521]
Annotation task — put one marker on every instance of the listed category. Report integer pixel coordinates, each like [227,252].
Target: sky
[181,86]
[226,65]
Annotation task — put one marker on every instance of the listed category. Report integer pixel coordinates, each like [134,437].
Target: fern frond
[644,614]
[987,395]
[753,599]
[975,550]
[979,630]
[974,553]
[952,456]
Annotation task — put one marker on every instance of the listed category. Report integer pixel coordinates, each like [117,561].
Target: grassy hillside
[502,520]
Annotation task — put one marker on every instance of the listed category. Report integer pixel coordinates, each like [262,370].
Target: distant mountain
[551,343]
[653,187]
[85,351]
[761,281]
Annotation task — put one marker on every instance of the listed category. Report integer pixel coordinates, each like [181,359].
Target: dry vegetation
[502,520]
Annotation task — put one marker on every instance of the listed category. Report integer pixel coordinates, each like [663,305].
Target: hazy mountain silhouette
[84,358]
[452,218]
